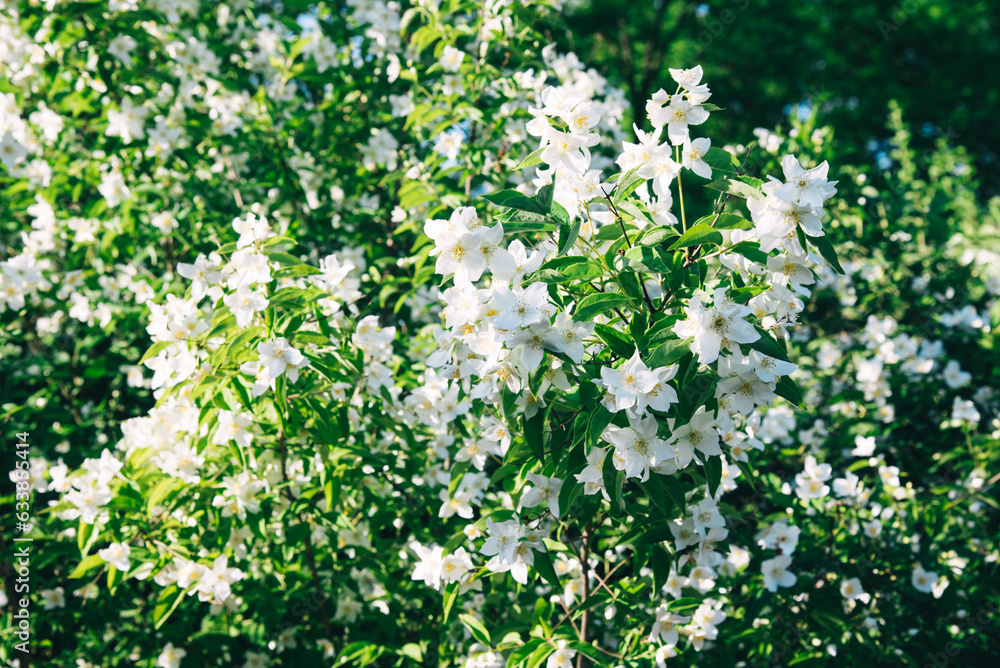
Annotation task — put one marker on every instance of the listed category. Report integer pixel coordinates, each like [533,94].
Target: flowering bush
[322,362]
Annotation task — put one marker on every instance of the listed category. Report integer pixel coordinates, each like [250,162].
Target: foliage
[322,363]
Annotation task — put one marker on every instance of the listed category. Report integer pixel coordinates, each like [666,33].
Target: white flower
[805,187]
[113,188]
[117,555]
[693,156]
[562,657]
[127,122]
[170,657]
[451,58]
[544,490]
[233,427]
[627,382]
[201,274]
[677,115]
[502,540]
[637,447]
[11,150]
[873,529]
[698,434]
[53,598]
[215,582]
[953,375]
[713,328]
[924,581]
[244,303]
[776,573]
[852,590]
[280,357]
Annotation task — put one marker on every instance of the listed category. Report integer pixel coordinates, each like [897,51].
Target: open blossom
[201,274]
[117,555]
[233,427]
[562,657]
[451,58]
[544,490]
[699,434]
[127,122]
[592,477]
[715,328]
[924,581]
[280,357]
[852,590]
[675,112]
[170,657]
[215,582]
[693,155]
[637,447]
[805,187]
[776,573]
[627,382]
[502,540]
[244,303]
[11,150]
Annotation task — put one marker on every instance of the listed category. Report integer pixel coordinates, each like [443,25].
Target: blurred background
[842,61]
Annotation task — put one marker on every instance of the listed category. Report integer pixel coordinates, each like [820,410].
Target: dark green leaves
[512,199]
[597,304]
[734,187]
[698,235]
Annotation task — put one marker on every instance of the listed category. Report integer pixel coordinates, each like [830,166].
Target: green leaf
[450,594]
[83,533]
[713,471]
[477,629]
[631,211]
[656,235]
[162,613]
[85,566]
[511,199]
[544,197]
[569,238]
[734,187]
[787,389]
[627,183]
[543,564]
[160,492]
[312,337]
[767,345]
[825,248]
[424,37]
[751,251]
[675,491]
[620,344]
[591,652]
[154,350]
[600,418]
[297,271]
[534,158]
[667,353]
[534,433]
[721,159]
[568,269]
[698,235]
[413,651]
[613,482]
[597,304]
[725,221]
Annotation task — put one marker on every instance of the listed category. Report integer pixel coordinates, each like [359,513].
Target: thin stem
[680,190]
